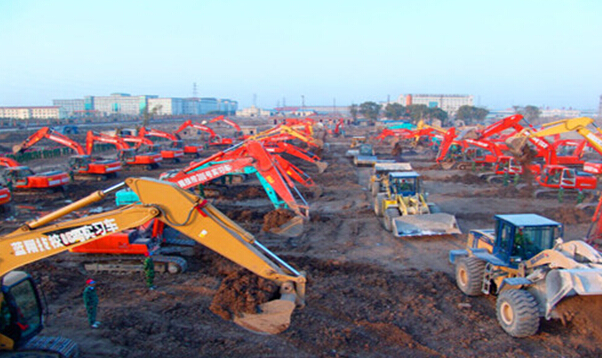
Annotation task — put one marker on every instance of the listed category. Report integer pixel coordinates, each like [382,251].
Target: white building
[166,106]
[450,103]
[121,103]
[559,113]
[35,112]
[254,112]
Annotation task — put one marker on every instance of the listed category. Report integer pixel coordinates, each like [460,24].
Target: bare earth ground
[369,294]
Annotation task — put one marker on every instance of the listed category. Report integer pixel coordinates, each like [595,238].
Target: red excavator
[22,178]
[238,131]
[214,139]
[127,155]
[193,150]
[82,165]
[141,141]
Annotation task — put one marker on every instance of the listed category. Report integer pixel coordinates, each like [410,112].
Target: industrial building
[450,103]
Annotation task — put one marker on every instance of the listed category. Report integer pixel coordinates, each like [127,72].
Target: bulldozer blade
[561,283]
[291,228]
[274,316]
[425,225]
[321,166]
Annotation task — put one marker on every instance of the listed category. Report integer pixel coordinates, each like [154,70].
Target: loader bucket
[562,283]
[291,228]
[425,225]
[274,316]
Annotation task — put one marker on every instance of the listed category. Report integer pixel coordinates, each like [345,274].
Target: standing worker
[91,302]
[149,270]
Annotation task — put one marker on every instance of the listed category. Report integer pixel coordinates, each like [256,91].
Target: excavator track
[130,264]
[46,347]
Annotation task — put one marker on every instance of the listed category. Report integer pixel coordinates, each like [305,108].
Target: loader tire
[388,217]
[469,275]
[378,204]
[517,313]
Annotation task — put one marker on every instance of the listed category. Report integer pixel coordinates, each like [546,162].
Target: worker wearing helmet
[91,302]
[149,270]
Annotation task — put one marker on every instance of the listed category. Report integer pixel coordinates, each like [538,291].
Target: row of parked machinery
[148,213]
[523,259]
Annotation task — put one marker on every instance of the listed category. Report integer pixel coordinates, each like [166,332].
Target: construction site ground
[369,294]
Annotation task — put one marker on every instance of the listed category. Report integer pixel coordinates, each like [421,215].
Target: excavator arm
[183,211]
[49,133]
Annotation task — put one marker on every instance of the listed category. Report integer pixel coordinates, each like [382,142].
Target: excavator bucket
[425,225]
[274,316]
[291,228]
[321,166]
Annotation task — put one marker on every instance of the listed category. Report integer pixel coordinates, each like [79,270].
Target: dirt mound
[276,218]
[568,215]
[583,313]
[242,292]
[251,193]
[465,179]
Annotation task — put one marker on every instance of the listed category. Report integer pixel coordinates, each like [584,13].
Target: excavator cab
[79,162]
[20,312]
[520,237]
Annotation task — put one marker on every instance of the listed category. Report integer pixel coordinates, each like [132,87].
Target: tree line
[372,111]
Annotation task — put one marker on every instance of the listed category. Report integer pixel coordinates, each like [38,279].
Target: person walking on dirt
[91,302]
[397,151]
[149,270]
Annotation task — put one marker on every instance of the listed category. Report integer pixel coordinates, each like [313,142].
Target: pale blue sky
[529,52]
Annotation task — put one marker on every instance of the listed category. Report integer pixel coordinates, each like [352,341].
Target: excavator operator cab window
[25,312]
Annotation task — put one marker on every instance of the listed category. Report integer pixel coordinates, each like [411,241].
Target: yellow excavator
[20,303]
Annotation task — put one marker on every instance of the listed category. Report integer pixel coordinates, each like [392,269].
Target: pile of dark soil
[276,218]
[242,292]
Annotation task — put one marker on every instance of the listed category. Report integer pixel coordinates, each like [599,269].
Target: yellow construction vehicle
[379,176]
[525,263]
[21,306]
[405,210]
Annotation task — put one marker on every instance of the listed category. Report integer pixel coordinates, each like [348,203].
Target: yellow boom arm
[178,208]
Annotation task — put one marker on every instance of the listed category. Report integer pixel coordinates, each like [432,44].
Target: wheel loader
[525,263]
[379,176]
[21,306]
[406,212]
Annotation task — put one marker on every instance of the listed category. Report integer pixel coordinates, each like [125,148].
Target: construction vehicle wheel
[517,313]
[388,217]
[378,204]
[469,275]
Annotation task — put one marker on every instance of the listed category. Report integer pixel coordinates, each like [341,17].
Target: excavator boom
[183,211]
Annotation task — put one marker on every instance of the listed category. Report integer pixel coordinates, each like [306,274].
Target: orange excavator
[141,141]
[193,150]
[238,131]
[5,198]
[214,139]
[23,309]
[127,155]
[22,178]
[251,157]
[81,165]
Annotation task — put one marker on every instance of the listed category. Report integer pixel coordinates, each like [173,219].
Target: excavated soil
[369,294]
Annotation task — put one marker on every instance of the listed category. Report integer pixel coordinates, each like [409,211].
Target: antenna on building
[302,101]
[283,101]
[388,98]
[254,100]
[194,92]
